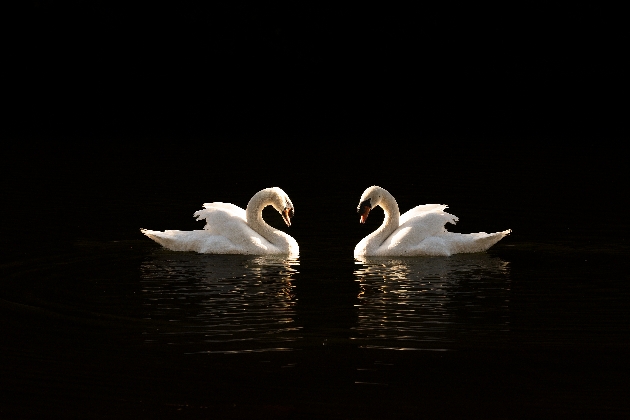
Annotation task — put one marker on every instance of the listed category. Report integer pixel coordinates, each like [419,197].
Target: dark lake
[98,321]
[128,115]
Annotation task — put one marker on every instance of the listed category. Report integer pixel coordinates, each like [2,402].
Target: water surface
[220,303]
[128,327]
[432,303]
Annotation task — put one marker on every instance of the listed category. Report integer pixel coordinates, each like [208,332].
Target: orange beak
[287,213]
[365,210]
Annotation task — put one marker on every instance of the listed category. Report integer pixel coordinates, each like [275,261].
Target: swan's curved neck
[253,215]
[390,223]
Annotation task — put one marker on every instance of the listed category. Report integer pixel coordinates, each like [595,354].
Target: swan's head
[364,209]
[370,198]
[287,214]
[282,203]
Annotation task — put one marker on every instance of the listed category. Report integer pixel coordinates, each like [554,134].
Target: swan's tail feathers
[175,240]
[156,235]
[485,240]
[200,241]
[462,243]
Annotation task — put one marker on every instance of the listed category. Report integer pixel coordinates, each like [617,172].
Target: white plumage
[419,231]
[230,229]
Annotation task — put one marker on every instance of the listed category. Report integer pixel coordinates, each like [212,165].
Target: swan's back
[416,225]
[223,219]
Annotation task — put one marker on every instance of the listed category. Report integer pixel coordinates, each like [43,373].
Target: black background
[122,116]
[110,101]
[154,70]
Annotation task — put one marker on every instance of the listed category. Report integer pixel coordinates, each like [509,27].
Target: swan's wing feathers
[212,210]
[418,224]
[423,210]
[227,207]
[231,227]
[222,218]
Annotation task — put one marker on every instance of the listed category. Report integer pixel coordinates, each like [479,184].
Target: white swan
[420,231]
[231,230]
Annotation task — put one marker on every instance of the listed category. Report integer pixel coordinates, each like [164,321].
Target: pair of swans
[231,230]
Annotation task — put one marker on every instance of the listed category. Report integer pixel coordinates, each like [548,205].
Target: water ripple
[219,303]
[431,303]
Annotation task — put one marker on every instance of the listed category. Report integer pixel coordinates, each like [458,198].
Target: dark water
[126,329]
[225,304]
[100,322]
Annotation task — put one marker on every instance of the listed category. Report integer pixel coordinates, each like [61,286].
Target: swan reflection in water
[432,303]
[219,303]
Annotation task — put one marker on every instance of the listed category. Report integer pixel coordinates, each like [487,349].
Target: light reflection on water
[220,303]
[244,304]
[436,303]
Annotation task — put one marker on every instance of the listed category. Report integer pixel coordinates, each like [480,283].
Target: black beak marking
[366,203]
